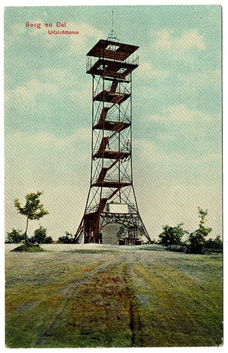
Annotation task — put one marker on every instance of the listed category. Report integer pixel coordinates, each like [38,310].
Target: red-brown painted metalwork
[111,197]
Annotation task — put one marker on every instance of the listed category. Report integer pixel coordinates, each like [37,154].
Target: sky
[176,112]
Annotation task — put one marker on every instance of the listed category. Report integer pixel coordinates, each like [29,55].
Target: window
[121,70]
[112,47]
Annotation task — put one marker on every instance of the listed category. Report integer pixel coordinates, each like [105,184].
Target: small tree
[197,239]
[172,235]
[15,236]
[32,210]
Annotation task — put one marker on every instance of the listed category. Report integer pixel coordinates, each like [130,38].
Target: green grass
[184,306]
[89,251]
[152,247]
[102,298]
[30,248]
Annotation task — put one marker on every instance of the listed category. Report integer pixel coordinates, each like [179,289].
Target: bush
[15,236]
[48,240]
[40,237]
[172,235]
[66,239]
[178,248]
[196,243]
[214,245]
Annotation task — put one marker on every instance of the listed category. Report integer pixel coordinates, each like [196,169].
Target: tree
[172,235]
[197,239]
[32,210]
[40,236]
[15,236]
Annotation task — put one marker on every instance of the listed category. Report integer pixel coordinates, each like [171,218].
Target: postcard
[113,150]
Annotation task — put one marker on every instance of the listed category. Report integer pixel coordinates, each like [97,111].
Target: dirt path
[99,310]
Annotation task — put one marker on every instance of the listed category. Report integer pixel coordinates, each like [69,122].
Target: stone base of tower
[92,225]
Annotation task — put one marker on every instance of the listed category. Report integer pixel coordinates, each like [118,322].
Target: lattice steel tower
[111,196]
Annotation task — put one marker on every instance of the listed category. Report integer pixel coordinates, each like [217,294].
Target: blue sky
[176,111]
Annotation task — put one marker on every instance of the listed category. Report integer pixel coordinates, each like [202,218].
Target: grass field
[97,296]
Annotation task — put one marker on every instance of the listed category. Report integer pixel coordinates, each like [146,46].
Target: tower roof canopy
[112,50]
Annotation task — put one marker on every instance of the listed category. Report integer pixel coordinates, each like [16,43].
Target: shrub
[40,236]
[172,235]
[178,248]
[214,245]
[48,240]
[15,236]
[66,239]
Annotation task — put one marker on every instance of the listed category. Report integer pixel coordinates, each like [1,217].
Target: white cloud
[26,94]
[196,81]
[164,40]
[76,94]
[44,140]
[147,70]
[179,113]
[53,74]
[148,151]
[86,31]
[156,154]
[17,28]
[61,78]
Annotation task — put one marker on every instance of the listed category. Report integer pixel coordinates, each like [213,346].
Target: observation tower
[111,197]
